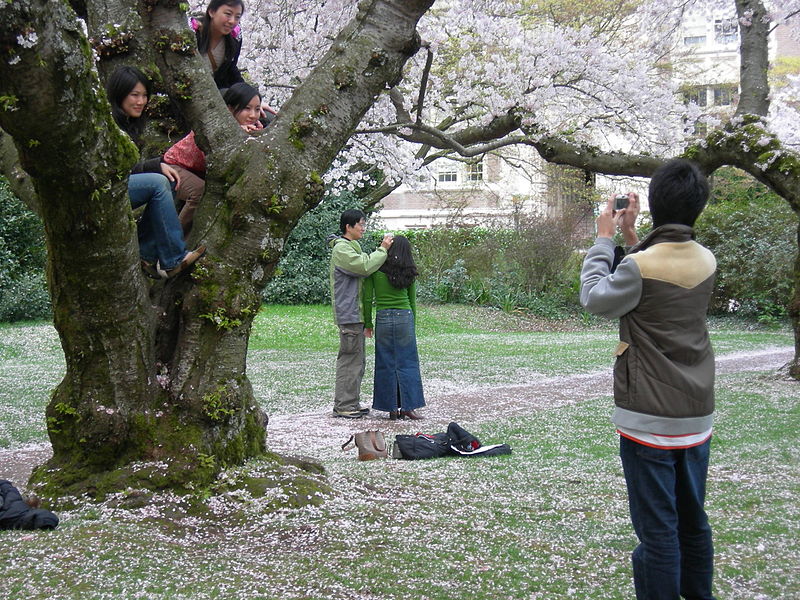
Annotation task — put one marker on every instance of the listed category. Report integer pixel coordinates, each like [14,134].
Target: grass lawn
[549,521]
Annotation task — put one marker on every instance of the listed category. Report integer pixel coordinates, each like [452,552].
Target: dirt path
[291,434]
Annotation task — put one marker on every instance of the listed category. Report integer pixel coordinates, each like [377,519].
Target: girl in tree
[189,161]
[218,39]
[244,102]
[398,386]
[161,245]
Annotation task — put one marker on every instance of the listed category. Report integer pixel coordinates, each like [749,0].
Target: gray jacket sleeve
[604,293]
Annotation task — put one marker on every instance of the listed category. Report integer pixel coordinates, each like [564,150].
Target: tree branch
[18,179]
[747,144]
[78,161]
[423,86]
[590,158]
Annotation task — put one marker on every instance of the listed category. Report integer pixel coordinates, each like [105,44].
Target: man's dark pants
[350,366]
[666,493]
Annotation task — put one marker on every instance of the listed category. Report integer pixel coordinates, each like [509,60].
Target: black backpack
[457,441]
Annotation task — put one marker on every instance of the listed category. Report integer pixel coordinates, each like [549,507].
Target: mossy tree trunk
[155,391]
[794,308]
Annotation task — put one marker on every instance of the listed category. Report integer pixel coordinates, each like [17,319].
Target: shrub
[753,234]
[534,267]
[450,286]
[301,276]
[24,298]
[23,291]
[544,248]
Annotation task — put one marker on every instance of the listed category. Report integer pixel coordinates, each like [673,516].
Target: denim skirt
[397,380]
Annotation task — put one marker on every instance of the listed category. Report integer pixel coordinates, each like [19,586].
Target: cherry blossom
[610,86]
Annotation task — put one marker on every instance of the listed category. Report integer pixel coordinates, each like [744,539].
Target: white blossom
[28,40]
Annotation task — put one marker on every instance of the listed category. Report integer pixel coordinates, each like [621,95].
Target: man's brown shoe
[188,261]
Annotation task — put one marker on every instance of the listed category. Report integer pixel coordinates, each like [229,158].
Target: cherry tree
[155,392]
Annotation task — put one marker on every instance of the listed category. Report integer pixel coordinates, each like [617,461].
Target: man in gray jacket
[349,266]
[663,377]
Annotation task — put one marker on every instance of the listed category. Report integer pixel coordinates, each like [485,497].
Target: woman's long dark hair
[120,84]
[203,33]
[399,267]
[238,96]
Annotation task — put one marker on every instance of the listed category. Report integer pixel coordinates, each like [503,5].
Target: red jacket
[186,154]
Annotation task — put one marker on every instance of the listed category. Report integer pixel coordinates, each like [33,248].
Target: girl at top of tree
[219,40]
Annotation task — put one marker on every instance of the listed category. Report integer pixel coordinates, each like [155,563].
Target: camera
[621,201]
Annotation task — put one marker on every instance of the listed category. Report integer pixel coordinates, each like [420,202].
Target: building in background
[496,189]
[707,61]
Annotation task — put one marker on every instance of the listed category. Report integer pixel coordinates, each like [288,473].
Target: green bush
[25,298]
[23,291]
[301,276]
[534,267]
[753,234]
[449,286]
[543,250]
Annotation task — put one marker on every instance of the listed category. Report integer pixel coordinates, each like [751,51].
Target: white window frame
[726,93]
[694,40]
[726,31]
[449,176]
[474,172]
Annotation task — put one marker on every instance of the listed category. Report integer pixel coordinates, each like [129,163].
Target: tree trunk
[155,392]
[794,309]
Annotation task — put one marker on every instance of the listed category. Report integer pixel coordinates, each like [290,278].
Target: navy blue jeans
[160,231]
[398,384]
[666,493]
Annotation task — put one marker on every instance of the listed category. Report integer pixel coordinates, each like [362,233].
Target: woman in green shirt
[398,386]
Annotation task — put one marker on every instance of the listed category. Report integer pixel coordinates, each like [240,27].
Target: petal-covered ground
[549,521]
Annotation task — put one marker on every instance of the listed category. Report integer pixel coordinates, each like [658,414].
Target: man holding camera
[663,377]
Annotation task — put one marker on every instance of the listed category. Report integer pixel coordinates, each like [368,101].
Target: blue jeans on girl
[160,232]
[398,384]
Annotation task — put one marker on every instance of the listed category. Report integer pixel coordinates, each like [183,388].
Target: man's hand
[367,332]
[626,219]
[388,239]
[171,174]
[606,227]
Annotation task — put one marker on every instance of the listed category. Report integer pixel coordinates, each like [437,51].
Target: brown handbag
[371,445]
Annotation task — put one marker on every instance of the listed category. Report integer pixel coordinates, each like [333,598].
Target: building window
[726,31]
[723,96]
[475,172]
[448,176]
[696,96]
[694,40]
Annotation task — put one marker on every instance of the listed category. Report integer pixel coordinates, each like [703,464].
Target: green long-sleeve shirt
[378,292]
